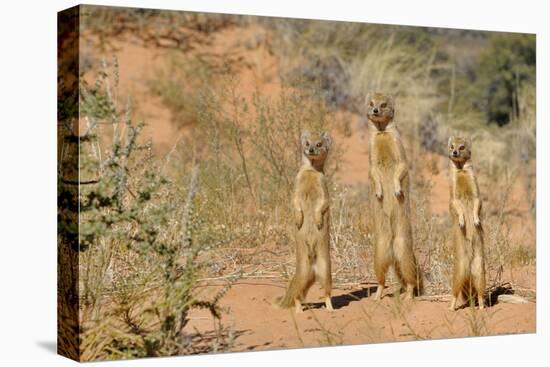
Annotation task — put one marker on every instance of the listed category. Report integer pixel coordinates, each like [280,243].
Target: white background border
[28,180]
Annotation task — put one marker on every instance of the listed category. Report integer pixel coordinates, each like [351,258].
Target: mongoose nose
[375,110]
[311,150]
[455,153]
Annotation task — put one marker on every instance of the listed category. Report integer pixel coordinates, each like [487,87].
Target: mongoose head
[380,109]
[315,146]
[459,149]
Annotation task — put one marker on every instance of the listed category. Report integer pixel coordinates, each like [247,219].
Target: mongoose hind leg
[323,272]
[382,261]
[380,290]
[409,292]
[328,304]
[380,270]
[452,306]
[405,265]
[478,280]
[299,284]
[303,290]
[460,281]
[481,301]
[298,306]
[457,301]
[381,265]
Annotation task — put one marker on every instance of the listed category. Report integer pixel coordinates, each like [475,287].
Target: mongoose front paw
[477,222]
[319,220]
[461,220]
[398,191]
[299,218]
[378,190]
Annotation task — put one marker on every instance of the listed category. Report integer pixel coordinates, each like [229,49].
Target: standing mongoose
[310,204]
[467,232]
[390,182]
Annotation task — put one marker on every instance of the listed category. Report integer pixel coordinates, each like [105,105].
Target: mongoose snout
[459,150]
[315,150]
[380,110]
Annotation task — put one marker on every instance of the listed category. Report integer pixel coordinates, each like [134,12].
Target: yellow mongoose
[390,182]
[310,204]
[467,233]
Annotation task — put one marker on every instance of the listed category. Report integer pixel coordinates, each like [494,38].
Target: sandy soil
[357,318]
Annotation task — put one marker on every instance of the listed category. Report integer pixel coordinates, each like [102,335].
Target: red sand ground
[356,318]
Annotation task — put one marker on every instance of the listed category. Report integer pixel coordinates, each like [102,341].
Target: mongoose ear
[305,136]
[391,99]
[368,98]
[449,141]
[326,137]
[468,142]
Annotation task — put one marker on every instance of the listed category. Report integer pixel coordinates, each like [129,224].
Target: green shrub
[504,69]
[140,243]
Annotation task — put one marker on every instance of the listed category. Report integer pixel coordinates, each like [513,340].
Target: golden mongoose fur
[389,179]
[467,232]
[310,204]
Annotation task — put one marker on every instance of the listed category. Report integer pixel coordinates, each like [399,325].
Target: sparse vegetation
[215,206]
[140,244]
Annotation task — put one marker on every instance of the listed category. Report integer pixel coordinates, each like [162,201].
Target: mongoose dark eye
[383,105]
[452,146]
[307,143]
[319,145]
[461,147]
[371,103]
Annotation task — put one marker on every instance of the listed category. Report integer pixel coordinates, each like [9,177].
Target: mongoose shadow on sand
[491,295]
[344,300]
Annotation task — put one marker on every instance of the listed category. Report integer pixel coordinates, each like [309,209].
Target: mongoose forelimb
[310,204]
[467,231]
[389,179]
